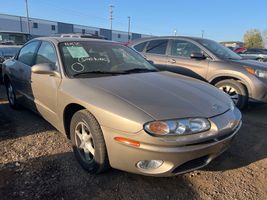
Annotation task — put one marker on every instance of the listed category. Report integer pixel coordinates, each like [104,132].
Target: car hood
[164,95]
[9,50]
[250,63]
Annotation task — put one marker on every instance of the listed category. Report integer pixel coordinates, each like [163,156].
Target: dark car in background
[209,61]
[255,54]
[10,43]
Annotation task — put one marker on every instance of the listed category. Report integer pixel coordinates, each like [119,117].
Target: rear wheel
[11,95]
[236,90]
[88,142]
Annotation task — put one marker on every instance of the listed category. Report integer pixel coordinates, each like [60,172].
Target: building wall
[40,27]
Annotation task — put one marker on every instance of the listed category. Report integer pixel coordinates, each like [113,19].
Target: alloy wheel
[231,91]
[84,142]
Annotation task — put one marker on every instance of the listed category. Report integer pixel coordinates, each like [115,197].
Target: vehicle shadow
[21,122]
[60,177]
[250,143]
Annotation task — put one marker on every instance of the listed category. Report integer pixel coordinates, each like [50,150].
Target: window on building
[119,35]
[53,27]
[35,25]
[83,31]
[96,32]
[157,46]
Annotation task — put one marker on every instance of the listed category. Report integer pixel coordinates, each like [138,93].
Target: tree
[264,35]
[253,39]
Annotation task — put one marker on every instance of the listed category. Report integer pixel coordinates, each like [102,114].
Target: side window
[184,48]
[27,53]
[140,47]
[157,47]
[46,54]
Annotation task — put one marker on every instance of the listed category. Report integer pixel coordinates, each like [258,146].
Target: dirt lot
[36,162]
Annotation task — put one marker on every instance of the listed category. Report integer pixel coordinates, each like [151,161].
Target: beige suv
[208,60]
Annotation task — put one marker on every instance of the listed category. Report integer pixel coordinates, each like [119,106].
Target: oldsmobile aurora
[118,110]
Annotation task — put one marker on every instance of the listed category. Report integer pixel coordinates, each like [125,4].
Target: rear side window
[27,53]
[140,47]
[157,46]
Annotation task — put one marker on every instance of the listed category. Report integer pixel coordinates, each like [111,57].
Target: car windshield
[90,59]
[219,50]
[13,38]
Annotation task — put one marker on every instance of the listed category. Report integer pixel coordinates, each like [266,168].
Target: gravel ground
[36,162]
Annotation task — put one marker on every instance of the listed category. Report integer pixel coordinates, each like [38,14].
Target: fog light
[149,164]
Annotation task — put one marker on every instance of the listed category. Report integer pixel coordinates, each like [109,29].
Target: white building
[41,27]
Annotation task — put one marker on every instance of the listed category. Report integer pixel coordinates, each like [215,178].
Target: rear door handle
[172,61]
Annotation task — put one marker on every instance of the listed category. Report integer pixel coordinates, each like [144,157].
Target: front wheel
[88,142]
[236,90]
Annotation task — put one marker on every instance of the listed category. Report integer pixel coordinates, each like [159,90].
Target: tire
[236,90]
[11,95]
[88,142]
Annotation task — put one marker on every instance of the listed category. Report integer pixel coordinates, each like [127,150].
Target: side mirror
[45,68]
[198,56]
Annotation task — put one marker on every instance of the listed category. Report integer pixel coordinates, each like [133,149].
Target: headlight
[261,73]
[177,127]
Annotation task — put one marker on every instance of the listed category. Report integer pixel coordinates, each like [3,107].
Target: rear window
[157,46]
[140,47]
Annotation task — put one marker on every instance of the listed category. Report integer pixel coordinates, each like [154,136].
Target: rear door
[22,68]
[180,61]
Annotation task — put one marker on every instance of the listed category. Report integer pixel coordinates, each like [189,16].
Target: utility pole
[27,13]
[111,18]
[111,15]
[129,28]
[202,33]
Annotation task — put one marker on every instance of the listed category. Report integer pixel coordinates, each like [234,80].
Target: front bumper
[179,154]
[259,90]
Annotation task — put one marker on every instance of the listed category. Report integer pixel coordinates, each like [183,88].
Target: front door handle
[172,61]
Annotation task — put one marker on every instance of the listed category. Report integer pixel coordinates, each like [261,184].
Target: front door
[180,61]
[44,88]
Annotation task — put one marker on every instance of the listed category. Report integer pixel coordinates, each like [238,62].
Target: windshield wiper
[98,72]
[139,70]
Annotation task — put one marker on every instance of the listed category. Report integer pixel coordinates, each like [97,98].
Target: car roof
[164,37]
[57,40]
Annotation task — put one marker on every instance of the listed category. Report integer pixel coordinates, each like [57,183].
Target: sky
[222,20]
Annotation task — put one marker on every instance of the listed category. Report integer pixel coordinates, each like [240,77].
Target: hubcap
[84,141]
[231,92]
[10,93]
